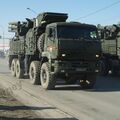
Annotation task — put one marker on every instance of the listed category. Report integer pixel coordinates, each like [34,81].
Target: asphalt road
[100,103]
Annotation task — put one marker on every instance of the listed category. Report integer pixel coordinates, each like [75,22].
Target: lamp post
[2,28]
[32,10]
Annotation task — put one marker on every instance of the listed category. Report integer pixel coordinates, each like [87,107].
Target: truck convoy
[110,38]
[48,47]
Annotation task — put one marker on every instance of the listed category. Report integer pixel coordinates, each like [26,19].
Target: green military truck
[47,47]
[110,39]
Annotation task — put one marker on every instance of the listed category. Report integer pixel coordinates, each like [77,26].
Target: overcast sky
[78,10]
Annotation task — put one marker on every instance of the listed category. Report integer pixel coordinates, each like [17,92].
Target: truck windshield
[77,33]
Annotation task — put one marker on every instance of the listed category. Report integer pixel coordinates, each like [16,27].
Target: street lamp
[32,10]
[2,28]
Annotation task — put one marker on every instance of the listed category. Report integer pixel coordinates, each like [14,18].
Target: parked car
[2,54]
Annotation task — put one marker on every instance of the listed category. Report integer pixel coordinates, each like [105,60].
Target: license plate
[81,69]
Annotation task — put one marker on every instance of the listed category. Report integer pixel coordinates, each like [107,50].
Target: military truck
[48,47]
[110,38]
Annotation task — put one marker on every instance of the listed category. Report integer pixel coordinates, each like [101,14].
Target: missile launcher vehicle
[48,47]
[110,39]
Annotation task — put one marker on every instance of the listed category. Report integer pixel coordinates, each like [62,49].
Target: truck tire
[88,82]
[10,62]
[104,68]
[19,69]
[40,43]
[13,67]
[34,72]
[48,80]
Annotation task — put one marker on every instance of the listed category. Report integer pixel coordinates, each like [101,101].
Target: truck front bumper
[75,67]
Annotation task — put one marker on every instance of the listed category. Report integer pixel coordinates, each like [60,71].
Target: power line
[99,10]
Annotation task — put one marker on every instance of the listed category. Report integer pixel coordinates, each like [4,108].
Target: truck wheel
[19,70]
[104,69]
[10,62]
[13,67]
[40,43]
[34,73]
[47,79]
[88,82]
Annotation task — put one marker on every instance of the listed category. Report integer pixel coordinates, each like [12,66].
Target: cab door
[51,42]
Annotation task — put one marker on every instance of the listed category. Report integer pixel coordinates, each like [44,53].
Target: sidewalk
[11,109]
[34,97]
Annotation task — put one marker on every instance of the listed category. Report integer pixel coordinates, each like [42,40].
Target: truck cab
[73,51]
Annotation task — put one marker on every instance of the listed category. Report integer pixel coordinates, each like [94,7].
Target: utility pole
[2,28]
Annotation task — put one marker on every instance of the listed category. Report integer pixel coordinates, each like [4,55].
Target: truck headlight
[97,56]
[96,71]
[51,48]
[63,55]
